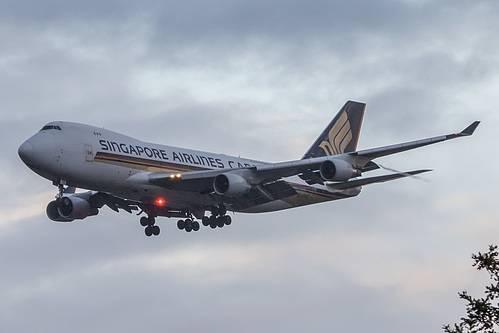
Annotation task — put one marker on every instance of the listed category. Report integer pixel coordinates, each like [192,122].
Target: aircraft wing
[202,181]
[370,154]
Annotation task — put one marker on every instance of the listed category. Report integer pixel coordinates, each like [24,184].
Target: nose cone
[38,152]
[25,152]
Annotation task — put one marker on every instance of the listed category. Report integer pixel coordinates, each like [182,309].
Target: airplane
[158,180]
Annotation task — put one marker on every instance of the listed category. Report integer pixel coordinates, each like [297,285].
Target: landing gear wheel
[151,220]
[144,221]
[181,224]
[195,225]
[148,231]
[155,230]
[218,218]
[213,222]
[206,221]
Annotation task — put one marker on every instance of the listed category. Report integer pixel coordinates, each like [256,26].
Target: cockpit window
[50,127]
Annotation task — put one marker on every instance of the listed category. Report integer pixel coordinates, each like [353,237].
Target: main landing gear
[151,227]
[218,218]
[188,225]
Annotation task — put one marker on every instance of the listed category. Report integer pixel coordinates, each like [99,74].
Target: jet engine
[70,208]
[231,185]
[337,170]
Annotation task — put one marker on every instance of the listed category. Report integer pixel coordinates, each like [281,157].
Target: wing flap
[259,194]
[311,177]
[100,199]
[279,189]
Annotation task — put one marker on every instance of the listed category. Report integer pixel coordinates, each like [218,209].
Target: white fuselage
[101,160]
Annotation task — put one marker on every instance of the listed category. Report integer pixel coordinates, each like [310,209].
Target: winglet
[466,132]
[470,129]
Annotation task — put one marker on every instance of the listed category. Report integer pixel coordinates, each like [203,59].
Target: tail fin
[342,133]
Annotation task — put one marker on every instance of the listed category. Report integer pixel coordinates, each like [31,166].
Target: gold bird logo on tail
[342,133]
[338,138]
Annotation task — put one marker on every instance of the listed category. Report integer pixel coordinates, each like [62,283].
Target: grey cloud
[250,78]
[82,283]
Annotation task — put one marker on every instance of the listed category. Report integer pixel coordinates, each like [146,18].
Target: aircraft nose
[25,152]
[38,152]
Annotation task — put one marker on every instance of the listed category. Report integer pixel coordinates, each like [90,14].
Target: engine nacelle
[231,185]
[53,213]
[70,208]
[337,170]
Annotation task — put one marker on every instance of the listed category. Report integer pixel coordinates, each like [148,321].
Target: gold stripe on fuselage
[142,163]
[313,191]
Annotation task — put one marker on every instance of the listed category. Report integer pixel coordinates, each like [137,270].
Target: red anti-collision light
[160,201]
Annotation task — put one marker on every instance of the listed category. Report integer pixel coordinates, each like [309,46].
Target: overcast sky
[260,79]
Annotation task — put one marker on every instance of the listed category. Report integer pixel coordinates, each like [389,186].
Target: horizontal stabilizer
[372,180]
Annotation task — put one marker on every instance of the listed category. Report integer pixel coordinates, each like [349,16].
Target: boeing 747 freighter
[157,180]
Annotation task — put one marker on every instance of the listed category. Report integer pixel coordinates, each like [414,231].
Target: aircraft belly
[306,195]
[268,207]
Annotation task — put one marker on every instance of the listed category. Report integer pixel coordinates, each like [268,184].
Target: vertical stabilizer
[342,133]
